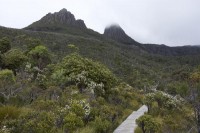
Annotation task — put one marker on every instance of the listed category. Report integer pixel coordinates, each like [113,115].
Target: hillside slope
[133,63]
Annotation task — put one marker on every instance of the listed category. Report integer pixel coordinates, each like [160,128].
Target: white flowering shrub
[163,99]
[86,84]
[80,78]
[34,73]
[4,129]
[96,89]
[86,74]
[80,107]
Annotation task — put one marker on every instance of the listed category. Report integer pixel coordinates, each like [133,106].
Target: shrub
[9,112]
[44,105]
[101,126]
[72,122]
[85,73]
[148,124]
[33,122]
[14,59]
[4,45]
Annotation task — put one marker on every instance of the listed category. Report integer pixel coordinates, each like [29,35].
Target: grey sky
[170,22]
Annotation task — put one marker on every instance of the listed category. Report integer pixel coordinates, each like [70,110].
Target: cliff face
[62,18]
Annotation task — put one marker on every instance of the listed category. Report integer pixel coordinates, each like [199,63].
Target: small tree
[14,59]
[40,56]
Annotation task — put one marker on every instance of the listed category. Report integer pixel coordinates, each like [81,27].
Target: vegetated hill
[62,22]
[77,93]
[115,32]
[123,60]
[129,62]
[65,22]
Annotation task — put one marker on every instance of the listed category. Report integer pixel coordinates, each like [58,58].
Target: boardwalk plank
[129,125]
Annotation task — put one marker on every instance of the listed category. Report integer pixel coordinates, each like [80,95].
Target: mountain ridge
[116,33]
[64,22]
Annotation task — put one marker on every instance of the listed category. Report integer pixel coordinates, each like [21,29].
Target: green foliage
[87,129]
[6,78]
[59,78]
[9,112]
[32,43]
[85,73]
[148,124]
[7,82]
[44,105]
[39,51]
[180,88]
[78,110]
[14,59]
[163,100]
[43,88]
[40,56]
[73,48]
[138,130]
[195,77]
[101,126]
[72,122]
[33,122]
[4,45]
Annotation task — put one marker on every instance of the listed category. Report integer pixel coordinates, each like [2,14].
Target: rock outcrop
[62,18]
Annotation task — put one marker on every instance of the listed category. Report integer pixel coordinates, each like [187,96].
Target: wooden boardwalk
[129,125]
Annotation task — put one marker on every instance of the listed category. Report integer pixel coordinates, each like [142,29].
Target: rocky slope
[63,18]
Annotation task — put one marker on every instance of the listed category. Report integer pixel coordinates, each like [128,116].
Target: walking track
[129,125]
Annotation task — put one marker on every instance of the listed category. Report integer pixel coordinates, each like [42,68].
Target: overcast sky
[170,22]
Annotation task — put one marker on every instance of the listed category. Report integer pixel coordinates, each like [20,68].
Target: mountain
[70,81]
[65,22]
[58,19]
[126,61]
[116,33]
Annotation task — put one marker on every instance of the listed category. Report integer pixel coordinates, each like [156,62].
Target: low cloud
[170,22]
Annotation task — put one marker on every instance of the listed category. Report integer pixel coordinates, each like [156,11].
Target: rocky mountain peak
[115,28]
[63,10]
[61,18]
[116,33]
